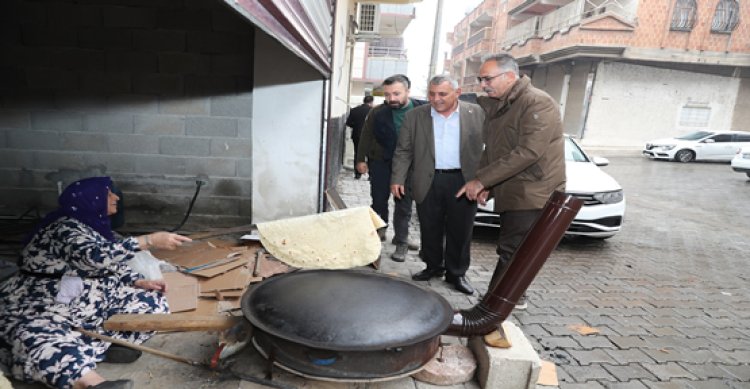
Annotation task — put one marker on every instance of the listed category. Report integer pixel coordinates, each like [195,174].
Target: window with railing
[683,16]
[726,17]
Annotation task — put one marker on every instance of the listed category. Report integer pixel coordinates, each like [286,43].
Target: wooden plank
[170,322]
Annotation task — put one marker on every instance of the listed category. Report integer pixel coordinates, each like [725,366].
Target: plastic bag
[147,265]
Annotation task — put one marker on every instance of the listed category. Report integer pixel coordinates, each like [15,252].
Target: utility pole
[436,38]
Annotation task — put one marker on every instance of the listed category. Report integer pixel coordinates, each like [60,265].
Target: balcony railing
[405,9]
[565,17]
[479,36]
[562,19]
[389,52]
[380,68]
[521,31]
[458,49]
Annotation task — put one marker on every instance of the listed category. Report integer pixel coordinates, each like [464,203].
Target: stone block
[56,161]
[244,128]
[199,85]
[213,167]
[133,104]
[16,158]
[128,17]
[132,61]
[184,19]
[133,144]
[186,106]
[233,148]
[515,367]
[51,78]
[184,63]
[184,146]
[79,59]
[106,82]
[85,141]
[35,35]
[148,164]
[112,163]
[112,123]
[232,105]
[157,84]
[454,364]
[210,126]
[213,43]
[159,124]
[241,64]
[68,14]
[57,121]
[101,38]
[15,119]
[159,40]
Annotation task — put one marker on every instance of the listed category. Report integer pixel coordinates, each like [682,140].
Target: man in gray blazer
[439,147]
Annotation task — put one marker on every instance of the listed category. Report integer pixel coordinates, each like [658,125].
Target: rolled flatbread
[331,240]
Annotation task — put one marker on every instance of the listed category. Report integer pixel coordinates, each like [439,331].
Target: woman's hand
[162,240]
[157,285]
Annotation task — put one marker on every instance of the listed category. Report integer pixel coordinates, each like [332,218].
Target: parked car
[603,209]
[741,161]
[698,146]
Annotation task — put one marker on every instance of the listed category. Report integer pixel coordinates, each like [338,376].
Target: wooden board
[174,322]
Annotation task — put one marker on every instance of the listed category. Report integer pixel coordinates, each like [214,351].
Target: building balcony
[390,52]
[566,17]
[380,68]
[479,36]
[458,49]
[483,15]
[521,32]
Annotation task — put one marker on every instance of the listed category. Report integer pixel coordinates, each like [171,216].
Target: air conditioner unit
[368,20]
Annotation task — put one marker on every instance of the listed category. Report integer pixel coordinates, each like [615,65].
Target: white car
[699,146]
[603,209]
[741,161]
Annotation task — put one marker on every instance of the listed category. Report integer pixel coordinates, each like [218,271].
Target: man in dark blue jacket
[374,155]
[356,120]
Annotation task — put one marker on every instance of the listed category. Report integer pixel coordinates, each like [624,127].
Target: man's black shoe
[427,274]
[461,284]
[120,354]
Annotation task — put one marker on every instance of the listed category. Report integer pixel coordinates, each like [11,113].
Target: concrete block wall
[156,94]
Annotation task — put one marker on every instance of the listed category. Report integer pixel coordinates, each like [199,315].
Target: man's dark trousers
[443,217]
[380,191]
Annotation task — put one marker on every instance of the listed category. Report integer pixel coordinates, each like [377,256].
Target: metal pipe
[537,245]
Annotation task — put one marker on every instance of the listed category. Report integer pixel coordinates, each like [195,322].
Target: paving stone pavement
[669,294]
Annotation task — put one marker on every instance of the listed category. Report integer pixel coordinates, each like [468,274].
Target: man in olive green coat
[524,157]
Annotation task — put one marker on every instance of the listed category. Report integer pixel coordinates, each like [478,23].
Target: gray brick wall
[155,94]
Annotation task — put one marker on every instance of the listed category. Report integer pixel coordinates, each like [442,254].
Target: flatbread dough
[332,240]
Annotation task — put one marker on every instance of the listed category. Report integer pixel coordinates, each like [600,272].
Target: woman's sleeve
[91,255]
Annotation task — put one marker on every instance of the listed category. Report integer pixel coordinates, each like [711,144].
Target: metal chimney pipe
[502,295]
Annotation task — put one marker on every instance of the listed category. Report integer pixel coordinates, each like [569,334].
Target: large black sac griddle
[346,324]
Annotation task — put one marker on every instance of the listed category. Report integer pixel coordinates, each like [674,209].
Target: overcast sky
[418,38]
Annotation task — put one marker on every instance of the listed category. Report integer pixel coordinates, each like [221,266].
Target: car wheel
[684,156]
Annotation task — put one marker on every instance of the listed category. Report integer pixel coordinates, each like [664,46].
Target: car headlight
[667,147]
[609,197]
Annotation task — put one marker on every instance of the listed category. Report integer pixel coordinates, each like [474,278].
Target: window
[695,116]
[683,16]
[742,138]
[726,17]
[721,138]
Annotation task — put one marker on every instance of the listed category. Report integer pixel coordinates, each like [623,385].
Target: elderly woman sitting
[73,275]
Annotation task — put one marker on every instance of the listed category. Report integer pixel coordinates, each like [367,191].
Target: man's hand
[362,167]
[471,190]
[157,285]
[398,190]
[482,198]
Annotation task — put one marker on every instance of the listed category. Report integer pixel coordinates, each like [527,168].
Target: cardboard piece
[548,374]
[583,329]
[182,292]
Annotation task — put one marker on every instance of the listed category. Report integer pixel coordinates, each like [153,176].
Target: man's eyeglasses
[488,78]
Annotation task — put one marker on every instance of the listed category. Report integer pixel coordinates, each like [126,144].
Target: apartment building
[623,71]
[378,46]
